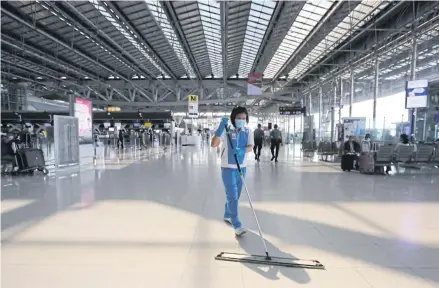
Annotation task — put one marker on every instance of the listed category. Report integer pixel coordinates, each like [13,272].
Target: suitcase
[347,162]
[367,163]
[29,159]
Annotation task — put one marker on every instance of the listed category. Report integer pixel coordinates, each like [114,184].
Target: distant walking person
[120,139]
[258,136]
[276,140]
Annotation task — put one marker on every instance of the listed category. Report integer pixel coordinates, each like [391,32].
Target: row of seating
[324,149]
[425,154]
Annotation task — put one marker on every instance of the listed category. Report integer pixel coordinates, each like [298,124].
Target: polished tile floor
[155,220]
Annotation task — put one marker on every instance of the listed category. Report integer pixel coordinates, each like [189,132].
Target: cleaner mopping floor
[238,140]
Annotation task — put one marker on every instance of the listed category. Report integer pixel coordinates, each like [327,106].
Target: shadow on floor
[251,244]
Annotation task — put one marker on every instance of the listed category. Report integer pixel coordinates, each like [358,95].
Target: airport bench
[404,154]
[384,155]
[435,159]
[424,154]
[326,149]
[309,148]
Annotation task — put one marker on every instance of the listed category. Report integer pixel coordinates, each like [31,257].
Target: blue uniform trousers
[233,186]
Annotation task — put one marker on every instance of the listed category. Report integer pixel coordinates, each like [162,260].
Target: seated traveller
[9,148]
[351,148]
[366,143]
[404,140]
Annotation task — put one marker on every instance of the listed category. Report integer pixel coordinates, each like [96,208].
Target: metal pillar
[375,93]
[340,104]
[334,100]
[320,111]
[412,112]
[351,96]
[72,105]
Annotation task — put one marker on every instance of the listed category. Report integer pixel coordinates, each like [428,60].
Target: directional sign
[291,110]
[193,106]
[416,94]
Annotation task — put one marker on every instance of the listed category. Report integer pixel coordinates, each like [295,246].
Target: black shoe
[276,160]
[256,157]
[272,158]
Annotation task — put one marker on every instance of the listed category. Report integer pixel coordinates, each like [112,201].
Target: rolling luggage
[347,162]
[30,159]
[367,163]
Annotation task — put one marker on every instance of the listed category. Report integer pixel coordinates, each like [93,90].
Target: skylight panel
[82,33]
[211,22]
[128,36]
[260,13]
[162,20]
[349,25]
[307,19]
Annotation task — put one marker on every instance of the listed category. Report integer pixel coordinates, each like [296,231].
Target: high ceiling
[151,54]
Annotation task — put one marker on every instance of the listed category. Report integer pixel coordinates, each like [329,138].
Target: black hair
[275,126]
[404,138]
[367,136]
[259,125]
[238,110]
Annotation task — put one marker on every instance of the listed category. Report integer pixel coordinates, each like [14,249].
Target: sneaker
[240,231]
[228,220]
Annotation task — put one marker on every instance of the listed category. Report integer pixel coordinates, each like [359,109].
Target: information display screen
[83,111]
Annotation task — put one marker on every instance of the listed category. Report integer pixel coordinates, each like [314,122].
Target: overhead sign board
[113,109]
[193,106]
[291,110]
[254,85]
[416,94]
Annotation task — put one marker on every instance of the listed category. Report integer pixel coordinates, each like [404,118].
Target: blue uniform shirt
[240,139]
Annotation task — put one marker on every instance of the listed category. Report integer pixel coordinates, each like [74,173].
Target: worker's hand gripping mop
[263,259]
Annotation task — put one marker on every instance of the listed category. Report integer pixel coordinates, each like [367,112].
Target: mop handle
[267,257]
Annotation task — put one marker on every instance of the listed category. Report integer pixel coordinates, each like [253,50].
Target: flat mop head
[270,261]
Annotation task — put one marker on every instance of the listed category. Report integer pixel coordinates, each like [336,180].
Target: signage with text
[193,106]
[416,94]
[291,110]
[254,85]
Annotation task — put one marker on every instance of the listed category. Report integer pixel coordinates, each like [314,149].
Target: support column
[375,93]
[351,96]
[414,56]
[72,105]
[340,104]
[320,111]
[333,102]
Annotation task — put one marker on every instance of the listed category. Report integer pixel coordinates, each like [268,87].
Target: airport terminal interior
[219,144]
